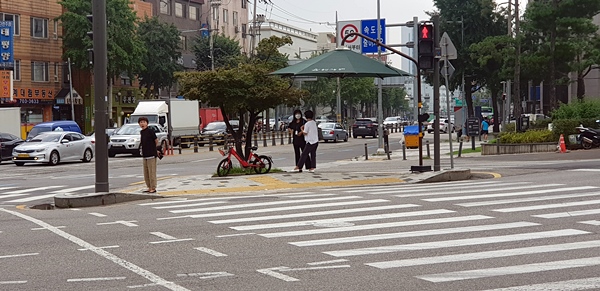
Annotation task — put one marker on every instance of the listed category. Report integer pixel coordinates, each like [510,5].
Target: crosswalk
[460,231]
[10,194]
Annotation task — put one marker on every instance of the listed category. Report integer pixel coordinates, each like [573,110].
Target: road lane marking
[236,206]
[33,198]
[475,190]
[69,190]
[109,256]
[569,214]
[7,188]
[162,235]
[172,240]
[486,255]
[12,282]
[457,243]
[189,205]
[125,223]
[511,270]
[203,160]
[11,195]
[19,255]
[34,189]
[569,285]
[414,187]
[97,214]
[308,214]
[528,199]
[43,228]
[271,272]
[106,247]
[547,206]
[96,279]
[237,234]
[375,226]
[211,252]
[142,286]
[343,219]
[591,222]
[510,194]
[327,262]
[419,233]
[209,275]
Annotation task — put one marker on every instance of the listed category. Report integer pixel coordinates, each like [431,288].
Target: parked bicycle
[260,163]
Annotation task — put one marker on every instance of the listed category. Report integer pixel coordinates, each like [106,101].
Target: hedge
[530,136]
[567,127]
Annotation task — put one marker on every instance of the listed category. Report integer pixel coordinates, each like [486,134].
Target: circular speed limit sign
[348,29]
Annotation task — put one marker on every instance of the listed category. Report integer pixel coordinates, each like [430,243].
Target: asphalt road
[536,231]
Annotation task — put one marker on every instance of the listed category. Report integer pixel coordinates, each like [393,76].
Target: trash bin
[411,136]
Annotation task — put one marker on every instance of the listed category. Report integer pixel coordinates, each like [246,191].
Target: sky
[319,15]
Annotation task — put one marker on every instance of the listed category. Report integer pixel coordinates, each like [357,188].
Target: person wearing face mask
[295,129]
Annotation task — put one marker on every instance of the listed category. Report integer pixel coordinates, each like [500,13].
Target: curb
[97,199]
[448,175]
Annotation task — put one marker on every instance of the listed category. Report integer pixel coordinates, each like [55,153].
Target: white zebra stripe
[510,194]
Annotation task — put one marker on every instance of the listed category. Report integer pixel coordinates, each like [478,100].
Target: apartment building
[38,64]
[228,17]
[304,41]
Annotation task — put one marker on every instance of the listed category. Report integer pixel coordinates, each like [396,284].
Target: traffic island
[98,199]
[446,176]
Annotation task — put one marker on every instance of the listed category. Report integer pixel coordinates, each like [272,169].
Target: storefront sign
[7,59]
[6,84]
[33,93]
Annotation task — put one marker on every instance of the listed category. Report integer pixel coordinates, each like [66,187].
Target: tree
[226,52]
[359,91]
[247,89]
[124,47]
[162,44]
[559,29]
[480,20]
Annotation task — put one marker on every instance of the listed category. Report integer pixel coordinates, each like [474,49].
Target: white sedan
[54,147]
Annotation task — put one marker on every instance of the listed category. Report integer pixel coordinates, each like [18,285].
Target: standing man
[149,143]
[485,126]
[311,135]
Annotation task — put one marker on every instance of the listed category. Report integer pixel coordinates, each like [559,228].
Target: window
[183,42]
[55,31]
[39,71]
[244,30]
[235,18]
[244,4]
[17,72]
[193,13]
[215,13]
[39,27]
[165,6]
[15,19]
[178,9]
[225,16]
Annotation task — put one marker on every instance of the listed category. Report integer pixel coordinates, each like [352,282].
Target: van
[62,125]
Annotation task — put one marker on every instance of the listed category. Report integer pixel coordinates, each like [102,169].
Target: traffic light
[426,46]
[423,117]
[90,34]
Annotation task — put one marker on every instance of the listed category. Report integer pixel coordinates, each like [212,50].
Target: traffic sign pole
[450,126]
[436,96]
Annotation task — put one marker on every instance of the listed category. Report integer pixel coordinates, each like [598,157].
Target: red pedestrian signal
[426,46]
[426,31]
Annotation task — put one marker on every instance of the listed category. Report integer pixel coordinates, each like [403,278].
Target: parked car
[109,132]
[393,121]
[60,125]
[7,143]
[218,131]
[333,131]
[364,127]
[126,140]
[445,125]
[54,147]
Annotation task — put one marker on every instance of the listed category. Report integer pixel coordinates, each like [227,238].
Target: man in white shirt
[311,135]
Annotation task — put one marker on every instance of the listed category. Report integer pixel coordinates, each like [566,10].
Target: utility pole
[253,42]
[517,62]
[100,81]
[213,4]
[415,55]
[380,149]
[71,91]
[436,95]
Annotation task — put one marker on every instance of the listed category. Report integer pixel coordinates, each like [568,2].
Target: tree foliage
[247,89]
[162,44]
[226,51]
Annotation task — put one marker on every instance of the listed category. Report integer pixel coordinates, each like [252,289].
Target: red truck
[208,115]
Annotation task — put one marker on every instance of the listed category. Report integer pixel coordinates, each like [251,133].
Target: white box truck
[10,120]
[184,117]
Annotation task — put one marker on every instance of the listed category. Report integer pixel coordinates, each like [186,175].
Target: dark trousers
[309,150]
[298,149]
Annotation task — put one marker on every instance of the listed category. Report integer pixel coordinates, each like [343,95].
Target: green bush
[589,109]
[511,127]
[567,127]
[540,124]
[530,136]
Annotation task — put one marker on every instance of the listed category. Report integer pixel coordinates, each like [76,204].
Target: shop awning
[63,97]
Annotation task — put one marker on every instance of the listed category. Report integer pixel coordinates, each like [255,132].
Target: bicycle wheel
[224,168]
[264,165]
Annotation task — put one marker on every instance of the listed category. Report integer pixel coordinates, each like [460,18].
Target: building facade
[304,41]
[38,65]
[229,17]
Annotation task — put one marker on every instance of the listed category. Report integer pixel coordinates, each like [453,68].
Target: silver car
[333,131]
[126,140]
[54,147]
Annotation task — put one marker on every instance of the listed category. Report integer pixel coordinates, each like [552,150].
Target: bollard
[195,144]
[428,152]
[210,143]
[281,137]
[289,137]
[459,148]
[273,141]
[264,136]
[255,139]
[404,151]
[366,152]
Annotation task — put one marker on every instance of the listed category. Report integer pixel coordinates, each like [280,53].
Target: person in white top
[311,135]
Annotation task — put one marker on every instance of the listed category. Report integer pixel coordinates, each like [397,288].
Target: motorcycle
[588,137]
